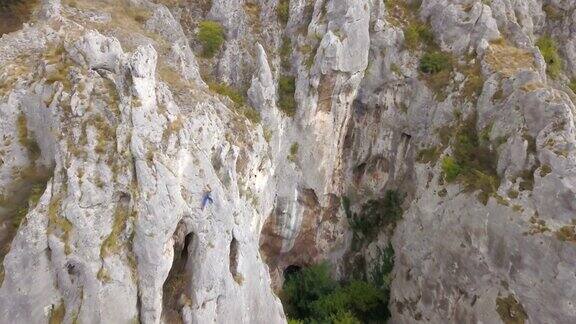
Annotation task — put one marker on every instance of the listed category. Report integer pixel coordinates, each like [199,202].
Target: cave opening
[233,261]
[291,270]
[174,289]
[13,13]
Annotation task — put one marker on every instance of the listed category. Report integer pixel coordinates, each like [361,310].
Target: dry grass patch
[508,60]
[510,310]
[106,134]
[428,155]
[103,275]
[58,223]
[57,314]
[532,86]
[58,66]
[253,11]
[474,80]
[111,244]
[401,12]
[552,12]
[293,154]
[238,99]
[567,233]
[127,19]
[169,75]
[283,11]
[26,141]
[118,9]
[12,71]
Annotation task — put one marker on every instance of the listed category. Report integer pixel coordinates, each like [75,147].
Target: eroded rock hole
[234,254]
[291,270]
[187,241]
[23,196]
[174,290]
[13,13]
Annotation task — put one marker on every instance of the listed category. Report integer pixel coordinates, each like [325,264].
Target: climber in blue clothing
[207,198]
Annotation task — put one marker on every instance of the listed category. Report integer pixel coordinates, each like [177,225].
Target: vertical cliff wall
[147,177]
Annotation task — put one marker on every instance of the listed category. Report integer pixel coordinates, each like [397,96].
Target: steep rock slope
[128,140]
[463,107]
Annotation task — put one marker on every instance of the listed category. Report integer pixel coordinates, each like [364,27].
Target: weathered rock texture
[111,137]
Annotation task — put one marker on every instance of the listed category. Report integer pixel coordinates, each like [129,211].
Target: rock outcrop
[115,129]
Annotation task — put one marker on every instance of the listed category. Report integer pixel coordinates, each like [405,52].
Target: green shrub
[472,153]
[312,296]
[283,11]
[301,289]
[474,81]
[434,62]
[552,12]
[238,99]
[417,34]
[428,155]
[295,321]
[286,53]
[437,70]
[572,85]
[251,114]
[549,50]
[472,161]
[346,206]
[450,168]
[223,89]
[29,143]
[375,215]
[286,90]
[292,156]
[330,304]
[211,36]
[344,318]
[380,275]
[358,297]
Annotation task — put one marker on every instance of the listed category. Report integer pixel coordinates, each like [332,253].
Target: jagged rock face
[111,139]
[132,143]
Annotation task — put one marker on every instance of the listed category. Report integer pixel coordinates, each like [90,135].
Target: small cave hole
[174,289]
[234,254]
[291,270]
[13,13]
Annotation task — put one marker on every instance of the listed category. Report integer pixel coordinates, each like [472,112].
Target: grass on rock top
[435,62]
[417,34]
[376,214]
[283,11]
[238,98]
[211,35]
[549,50]
[507,59]
[436,68]
[472,162]
[286,90]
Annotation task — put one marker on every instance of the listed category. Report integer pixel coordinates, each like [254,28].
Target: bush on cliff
[312,296]
[434,62]
[211,36]
[549,50]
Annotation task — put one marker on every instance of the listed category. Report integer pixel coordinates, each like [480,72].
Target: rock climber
[207,198]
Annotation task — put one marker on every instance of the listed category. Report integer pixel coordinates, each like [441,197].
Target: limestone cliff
[155,171]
